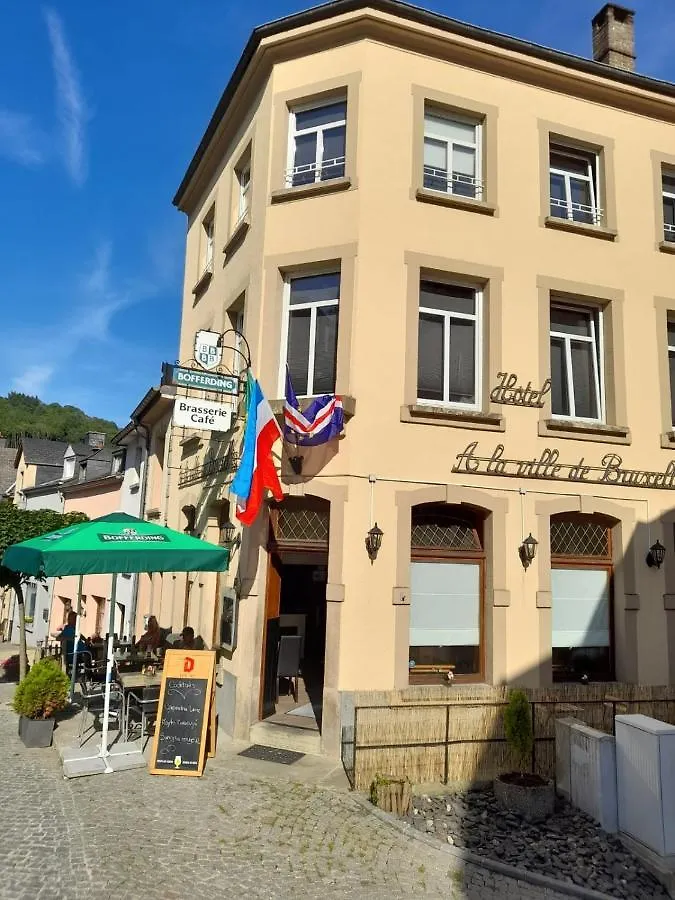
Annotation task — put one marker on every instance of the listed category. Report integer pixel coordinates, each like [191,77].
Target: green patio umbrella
[112,544]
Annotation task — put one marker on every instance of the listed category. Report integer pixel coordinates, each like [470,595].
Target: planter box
[531,802]
[36,732]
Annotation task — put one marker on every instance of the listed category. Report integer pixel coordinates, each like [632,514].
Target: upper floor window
[577,383]
[208,226]
[68,466]
[575,193]
[668,190]
[311,325]
[244,183]
[449,344]
[317,135]
[31,599]
[452,155]
[118,462]
[671,367]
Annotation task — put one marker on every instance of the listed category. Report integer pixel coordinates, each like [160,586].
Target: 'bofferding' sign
[201,414]
[548,467]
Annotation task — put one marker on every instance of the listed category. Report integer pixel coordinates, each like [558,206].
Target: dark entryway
[295,615]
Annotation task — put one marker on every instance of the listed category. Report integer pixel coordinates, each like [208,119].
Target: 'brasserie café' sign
[549,467]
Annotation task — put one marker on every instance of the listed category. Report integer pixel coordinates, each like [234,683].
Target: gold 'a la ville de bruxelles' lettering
[549,467]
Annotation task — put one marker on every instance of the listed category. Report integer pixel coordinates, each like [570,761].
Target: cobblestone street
[228,834]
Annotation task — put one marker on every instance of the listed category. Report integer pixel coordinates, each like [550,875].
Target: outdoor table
[135,682]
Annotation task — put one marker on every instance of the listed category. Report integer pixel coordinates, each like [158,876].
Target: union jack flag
[322,421]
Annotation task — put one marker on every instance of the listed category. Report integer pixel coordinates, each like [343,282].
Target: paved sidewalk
[232,834]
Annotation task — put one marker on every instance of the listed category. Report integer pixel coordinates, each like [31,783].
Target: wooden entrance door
[271,633]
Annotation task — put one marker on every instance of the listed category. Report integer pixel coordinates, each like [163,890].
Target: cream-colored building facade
[422,216]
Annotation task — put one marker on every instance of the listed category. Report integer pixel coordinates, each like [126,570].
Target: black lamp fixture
[190,513]
[374,541]
[296,464]
[656,555]
[528,550]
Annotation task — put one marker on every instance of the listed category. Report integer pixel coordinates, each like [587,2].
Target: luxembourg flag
[322,421]
[256,469]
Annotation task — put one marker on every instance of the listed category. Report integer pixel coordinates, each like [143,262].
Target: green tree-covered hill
[24,416]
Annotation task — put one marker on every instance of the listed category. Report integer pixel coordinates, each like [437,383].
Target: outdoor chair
[288,665]
[141,710]
[93,702]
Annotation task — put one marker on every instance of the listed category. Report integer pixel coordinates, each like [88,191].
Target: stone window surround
[496,595]
[665,310]
[277,270]
[486,117]
[204,271]
[587,141]
[661,161]
[489,279]
[328,90]
[625,558]
[611,301]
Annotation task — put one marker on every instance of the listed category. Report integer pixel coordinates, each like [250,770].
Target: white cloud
[20,140]
[33,380]
[70,106]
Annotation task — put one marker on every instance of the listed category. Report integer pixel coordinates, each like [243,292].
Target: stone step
[286,738]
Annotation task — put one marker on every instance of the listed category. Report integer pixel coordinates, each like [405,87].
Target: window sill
[348,405]
[425,195]
[238,235]
[203,282]
[458,418]
[300,191]
[668,440]
[596,231]
[667,246]
[584,431]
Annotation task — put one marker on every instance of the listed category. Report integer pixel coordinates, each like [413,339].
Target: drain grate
[272,754]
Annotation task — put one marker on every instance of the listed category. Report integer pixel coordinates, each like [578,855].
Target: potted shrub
[41,694]
[522,792]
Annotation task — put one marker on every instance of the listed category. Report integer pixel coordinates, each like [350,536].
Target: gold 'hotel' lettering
[548,467]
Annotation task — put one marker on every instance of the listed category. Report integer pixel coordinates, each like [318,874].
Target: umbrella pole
[108,678]
[77,638]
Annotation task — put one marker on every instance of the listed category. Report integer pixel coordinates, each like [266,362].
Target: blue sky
[101,108]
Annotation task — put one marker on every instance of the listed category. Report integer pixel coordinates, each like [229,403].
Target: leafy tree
[24,416]
[21,525]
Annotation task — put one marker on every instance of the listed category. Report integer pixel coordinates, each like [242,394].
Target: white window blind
[580,613]
[444,604]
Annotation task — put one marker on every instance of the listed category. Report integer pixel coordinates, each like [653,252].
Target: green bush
[518,728]
[43,691]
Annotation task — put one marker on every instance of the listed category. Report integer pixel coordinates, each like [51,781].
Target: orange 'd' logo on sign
[189,664]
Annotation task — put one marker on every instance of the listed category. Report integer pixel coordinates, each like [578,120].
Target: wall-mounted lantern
[656,555]
[374,541]
[528,550]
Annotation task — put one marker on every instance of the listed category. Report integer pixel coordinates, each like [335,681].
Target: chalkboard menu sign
[184,713]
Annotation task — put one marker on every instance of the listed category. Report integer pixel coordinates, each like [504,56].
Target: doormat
[271,754]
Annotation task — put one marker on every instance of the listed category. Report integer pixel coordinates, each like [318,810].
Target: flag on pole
[256,468]
[322,421]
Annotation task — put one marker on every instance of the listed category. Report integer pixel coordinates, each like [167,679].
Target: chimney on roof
[614,36]
[95,440]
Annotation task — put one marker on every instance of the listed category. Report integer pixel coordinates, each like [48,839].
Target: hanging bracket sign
[202,415]
[197,379]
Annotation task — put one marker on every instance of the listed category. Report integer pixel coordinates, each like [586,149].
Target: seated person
[67,637]
[152,639]
[188,640]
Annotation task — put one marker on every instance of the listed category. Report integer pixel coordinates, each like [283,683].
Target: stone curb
[465,856]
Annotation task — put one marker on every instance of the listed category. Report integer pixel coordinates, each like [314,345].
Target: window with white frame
[671,367]
[244,185]
[575,185]
[311,326]
[317,142]
[31,598]
[68,466]
[452,154]
[449,344]
[668,190]
[208,226]
[577,381]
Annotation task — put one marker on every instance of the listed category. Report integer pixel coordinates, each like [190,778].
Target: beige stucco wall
[383,237]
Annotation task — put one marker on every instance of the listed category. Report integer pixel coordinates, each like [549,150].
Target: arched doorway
[447,591]
[582,640]
[295,608]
